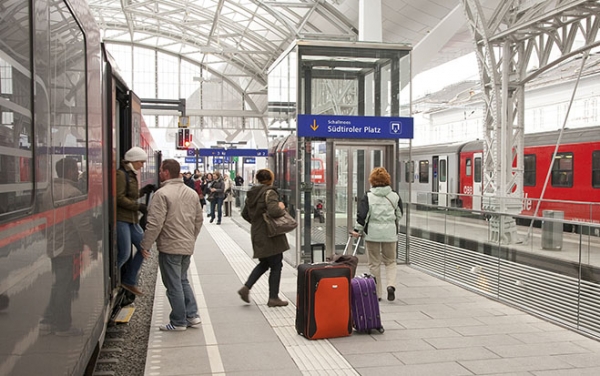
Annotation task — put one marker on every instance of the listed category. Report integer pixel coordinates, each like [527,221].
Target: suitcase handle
[350,237]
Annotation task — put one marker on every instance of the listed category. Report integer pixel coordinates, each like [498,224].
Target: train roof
[475,145]
[570,136]
[435,149]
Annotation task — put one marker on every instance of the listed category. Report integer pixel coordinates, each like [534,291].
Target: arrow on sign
[314,127]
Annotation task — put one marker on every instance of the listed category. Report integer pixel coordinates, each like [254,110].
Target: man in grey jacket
[174,221]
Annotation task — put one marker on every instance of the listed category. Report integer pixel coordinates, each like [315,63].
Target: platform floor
[432,328]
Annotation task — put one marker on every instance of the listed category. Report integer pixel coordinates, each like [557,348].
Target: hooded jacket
[174,219]
[378,211]
[259,199]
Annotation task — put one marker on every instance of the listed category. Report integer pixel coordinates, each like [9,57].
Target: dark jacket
[128,193]
[258,202]
[188,181]
[219,185]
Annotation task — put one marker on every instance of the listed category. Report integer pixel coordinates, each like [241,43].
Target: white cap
[136,154]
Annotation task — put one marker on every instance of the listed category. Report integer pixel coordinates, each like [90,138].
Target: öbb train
[451,175]
[61,100]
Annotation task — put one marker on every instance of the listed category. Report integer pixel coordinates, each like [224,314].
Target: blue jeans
[218,202]
[127,234]
[173,269]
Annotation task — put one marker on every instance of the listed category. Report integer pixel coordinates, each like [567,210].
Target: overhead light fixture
[232,142]
[202,79]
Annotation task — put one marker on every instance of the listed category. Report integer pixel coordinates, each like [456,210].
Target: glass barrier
[551,267]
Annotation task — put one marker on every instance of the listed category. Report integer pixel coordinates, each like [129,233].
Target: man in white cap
[128,228]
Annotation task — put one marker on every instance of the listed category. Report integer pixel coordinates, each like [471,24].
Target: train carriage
[59,147]
[432,172]
[573,185]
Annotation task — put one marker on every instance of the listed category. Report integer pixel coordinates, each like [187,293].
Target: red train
[451,175]
[62,104]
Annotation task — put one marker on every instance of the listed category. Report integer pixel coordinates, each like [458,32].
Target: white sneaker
[170,327]
[193,321]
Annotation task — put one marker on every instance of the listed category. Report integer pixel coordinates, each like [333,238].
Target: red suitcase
[323,301]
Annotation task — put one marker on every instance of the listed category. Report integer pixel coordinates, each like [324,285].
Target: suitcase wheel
[381,330]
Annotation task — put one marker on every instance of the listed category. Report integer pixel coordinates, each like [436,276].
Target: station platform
[432,328]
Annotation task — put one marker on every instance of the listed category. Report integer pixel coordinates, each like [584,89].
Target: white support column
[370,21]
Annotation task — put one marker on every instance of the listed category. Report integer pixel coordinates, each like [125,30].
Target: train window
[468,167]
[409,172]
[562,170]
[477,177]
[16,163]
[529,170]
[423,171]
[443,171]
[68,103]
[596,169]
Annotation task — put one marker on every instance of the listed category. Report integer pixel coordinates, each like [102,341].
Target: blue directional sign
[190,159]
[211,152]
[191,152]
[246,152]
[249,160]
[368,127]
[217,160]
[229,152]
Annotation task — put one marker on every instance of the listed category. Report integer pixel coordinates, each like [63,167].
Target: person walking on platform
[200,191]
[239,181]
[206,184]
[379,211]
[128,228]
[228,199]
[217,194]
[174,222]
[262,198]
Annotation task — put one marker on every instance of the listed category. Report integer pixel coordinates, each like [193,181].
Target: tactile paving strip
[317,357]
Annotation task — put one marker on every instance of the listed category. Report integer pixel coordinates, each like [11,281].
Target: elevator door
[353,165]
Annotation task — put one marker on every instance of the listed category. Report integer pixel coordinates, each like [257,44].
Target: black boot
[391,293]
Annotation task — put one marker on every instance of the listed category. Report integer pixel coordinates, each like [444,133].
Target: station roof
[237,40]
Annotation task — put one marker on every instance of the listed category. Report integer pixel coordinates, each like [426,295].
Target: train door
[350,182]
[434,180]
[123,114]
[442,180]
[477,181]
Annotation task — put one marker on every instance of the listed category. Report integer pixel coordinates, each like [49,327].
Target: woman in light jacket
[379,211]
[227,201]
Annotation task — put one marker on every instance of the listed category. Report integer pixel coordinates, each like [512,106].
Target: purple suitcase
[365,305]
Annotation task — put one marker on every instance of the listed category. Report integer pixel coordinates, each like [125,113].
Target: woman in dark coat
[261,198]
